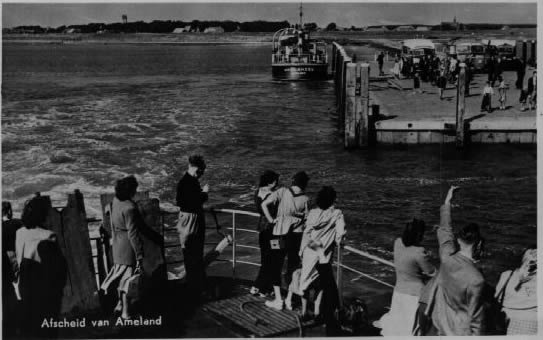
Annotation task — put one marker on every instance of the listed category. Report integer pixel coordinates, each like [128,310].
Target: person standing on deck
[491,69]
[380,61]
[520,68]
[396,68]
[502,92]
[292,207]
[518,289]
[127,243]
[191,224]
[413,268]
[486,103]
[441,83]
[532,91]
[268,184]
[10,271]
[42,270]
[325,229]
[454,299]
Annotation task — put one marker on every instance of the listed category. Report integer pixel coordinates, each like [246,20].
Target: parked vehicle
[471,52]
[415,49]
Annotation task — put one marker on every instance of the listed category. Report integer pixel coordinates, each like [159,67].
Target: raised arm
[445,236]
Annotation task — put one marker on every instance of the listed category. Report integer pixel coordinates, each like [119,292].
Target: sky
[349,14]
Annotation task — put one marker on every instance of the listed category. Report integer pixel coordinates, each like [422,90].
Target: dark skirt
[486,102]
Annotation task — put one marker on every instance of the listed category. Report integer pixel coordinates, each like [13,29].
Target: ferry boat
[295,56]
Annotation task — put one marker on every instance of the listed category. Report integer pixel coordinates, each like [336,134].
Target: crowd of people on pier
[443,71]
[451,298]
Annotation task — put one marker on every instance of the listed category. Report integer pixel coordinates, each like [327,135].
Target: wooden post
[334,49]
[350,133]
[71,228]
[343,93]
[363,104]
[460,106]
[339,275]
[357,105]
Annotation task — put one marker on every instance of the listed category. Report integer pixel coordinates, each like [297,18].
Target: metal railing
[102,260]
[299,58]
[338,262]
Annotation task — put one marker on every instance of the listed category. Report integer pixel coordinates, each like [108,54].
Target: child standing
[502,92]
[487,98]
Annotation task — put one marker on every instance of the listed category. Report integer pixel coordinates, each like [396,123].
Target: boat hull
[300,71]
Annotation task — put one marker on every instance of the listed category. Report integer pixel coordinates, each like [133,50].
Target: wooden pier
[384,110]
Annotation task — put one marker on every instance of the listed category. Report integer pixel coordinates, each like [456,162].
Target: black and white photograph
[242,169]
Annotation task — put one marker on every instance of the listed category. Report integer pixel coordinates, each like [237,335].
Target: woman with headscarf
[268,184]
[127,243]
[412,265]
[325,228]
[519,289]
[42,270]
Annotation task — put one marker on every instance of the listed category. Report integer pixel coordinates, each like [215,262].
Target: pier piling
[461,106]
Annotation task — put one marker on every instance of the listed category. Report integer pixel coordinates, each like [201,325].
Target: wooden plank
[436,137]
[399,137]
[412,137]
[526,137]
[80,266]
[425,137]
[384,137]
[461,106]
[350,106]
[363,104]
[276,322]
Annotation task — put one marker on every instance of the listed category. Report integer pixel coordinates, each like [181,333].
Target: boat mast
[301,14]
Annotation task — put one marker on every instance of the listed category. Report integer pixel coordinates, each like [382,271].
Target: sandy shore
[378,39]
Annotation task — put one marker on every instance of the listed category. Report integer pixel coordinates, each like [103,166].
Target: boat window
[477,49]
[463,49]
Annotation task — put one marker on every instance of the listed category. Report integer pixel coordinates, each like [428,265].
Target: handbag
[497,320]
[278,242]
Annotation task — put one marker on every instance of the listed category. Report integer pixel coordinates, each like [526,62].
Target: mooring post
[350,131]
[334,48]
[342,92]
[363,103]
[460,106]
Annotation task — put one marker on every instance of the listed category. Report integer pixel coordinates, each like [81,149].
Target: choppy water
[82,116]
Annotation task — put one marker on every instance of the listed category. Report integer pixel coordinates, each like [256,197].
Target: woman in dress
[267,185]
[502,92]
[325,228]
[42,270]
[412,268]
[519,288]
[127,243]
[292,207]
[488,92]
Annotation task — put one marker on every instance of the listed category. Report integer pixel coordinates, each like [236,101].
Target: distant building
[72,30]
[216,29]
[404,28]
[125,19]
[376,29]
[182,29]
[422,28]
[451,26]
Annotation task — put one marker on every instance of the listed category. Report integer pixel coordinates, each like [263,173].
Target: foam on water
[141,110]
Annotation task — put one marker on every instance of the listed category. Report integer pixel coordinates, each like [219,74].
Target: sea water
[82,116]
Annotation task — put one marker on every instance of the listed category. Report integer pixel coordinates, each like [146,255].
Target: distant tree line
[162,26]
[168,26]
